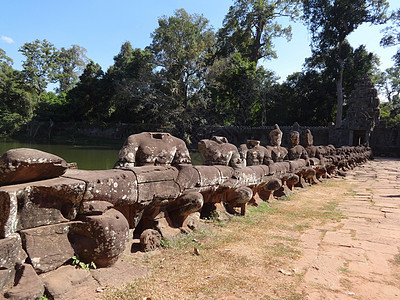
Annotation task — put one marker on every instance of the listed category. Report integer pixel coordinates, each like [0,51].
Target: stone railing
[50,211]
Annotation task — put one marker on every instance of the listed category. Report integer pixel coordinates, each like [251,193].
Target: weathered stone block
[29,285]
[250,175]
[161,190]
[24,165]
[155,173]
[8,210]
[49,201]
[48,247]
[11,254]
[100,238]
[297,165]
[118,187]
[210,176]
[68,282]
[188,177]
[156,183]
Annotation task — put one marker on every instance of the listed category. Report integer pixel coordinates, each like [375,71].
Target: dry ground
[336,240]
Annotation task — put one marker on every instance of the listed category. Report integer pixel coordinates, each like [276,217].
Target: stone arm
[127,154]
[267,160]
[182,155]
[304,155]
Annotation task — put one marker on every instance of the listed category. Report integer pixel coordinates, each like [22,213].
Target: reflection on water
[98,156]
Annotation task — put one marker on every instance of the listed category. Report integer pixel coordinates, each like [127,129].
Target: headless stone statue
[254,154]
[152,148]
[217,151]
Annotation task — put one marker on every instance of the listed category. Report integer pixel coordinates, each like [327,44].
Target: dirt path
[358,258]
[336,240]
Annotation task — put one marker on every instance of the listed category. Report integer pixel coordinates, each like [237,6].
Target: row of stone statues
[50,211]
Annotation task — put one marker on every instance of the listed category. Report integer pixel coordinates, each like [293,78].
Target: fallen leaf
[285,272]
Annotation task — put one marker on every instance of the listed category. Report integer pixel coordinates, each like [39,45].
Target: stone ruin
[50,211]
[363,112]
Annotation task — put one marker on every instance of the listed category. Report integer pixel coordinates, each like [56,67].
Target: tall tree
[181,45]
[330,23]
[16,104]
[392,34]
[71,63]
[237,88]
[88,100]
[251,25]
[134,97]
[40,65]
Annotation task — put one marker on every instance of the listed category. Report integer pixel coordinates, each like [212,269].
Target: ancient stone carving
[278,153]
[254,154]
[100,238]
[89,213]
[217,151]
[150,148]
[23,165]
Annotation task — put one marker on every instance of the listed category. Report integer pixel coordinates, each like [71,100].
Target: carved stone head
[308,139]
[294,138]
[275,136]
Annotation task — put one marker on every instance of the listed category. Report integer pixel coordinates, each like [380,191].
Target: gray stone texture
[24,165]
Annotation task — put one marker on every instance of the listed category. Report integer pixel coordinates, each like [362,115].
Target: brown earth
[336,240]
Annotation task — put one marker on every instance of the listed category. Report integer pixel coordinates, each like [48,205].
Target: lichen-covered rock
[8,210]
[48,247]
[100,238]
[150,240]
[217,151]
[152,148]
[24,165]
[49,201]
[28,287]
[116,186]
[11,254]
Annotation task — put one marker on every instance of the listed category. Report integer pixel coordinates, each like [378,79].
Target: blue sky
[102,26]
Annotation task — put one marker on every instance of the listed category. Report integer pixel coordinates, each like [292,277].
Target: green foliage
[40,65]
[71,64]
[390,112]
[238,91]
[182,45]
[330,23]
[89,100]
[165,243]
[16,103]
[134,98]
[392,34]
[251,25]
[305,97]
[80,264]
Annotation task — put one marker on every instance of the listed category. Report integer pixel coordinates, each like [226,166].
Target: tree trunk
[339,93]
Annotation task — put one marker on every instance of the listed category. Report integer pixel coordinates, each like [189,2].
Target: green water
[88,154]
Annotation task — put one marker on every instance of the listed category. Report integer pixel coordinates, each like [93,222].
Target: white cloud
[7,39]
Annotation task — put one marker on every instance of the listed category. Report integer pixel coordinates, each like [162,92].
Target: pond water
[89,154]
[98,156]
